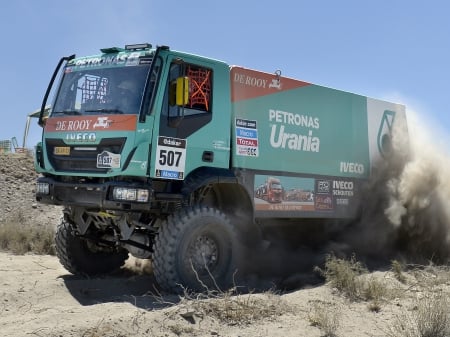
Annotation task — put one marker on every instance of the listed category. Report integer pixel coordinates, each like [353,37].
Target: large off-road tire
[81,256]
[196,249]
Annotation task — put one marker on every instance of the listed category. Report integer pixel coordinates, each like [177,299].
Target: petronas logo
[384,139]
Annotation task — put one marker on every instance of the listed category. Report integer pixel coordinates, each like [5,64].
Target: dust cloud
[405,215]
[406,204]
[419,198]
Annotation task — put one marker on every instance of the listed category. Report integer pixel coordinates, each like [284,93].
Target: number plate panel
[61,150]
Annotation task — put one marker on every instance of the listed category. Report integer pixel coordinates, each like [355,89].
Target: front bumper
[89,195]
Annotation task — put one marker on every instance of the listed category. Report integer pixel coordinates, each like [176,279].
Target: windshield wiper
[117,111]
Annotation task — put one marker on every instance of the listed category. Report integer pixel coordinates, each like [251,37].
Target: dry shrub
[244,309]
[398,268]
[326,317]
[349,277]
[20,239]
[375,291]
[429,318]
[343,275]
[431,275]
[230,308]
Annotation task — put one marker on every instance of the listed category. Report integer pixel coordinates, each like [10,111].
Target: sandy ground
[38,297]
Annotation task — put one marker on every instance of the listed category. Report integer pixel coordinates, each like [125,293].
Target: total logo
[102,122]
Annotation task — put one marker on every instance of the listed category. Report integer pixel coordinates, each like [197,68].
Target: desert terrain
[396,284]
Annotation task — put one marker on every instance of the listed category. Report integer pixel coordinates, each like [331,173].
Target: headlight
[142,195]
[130,194]
[43,188]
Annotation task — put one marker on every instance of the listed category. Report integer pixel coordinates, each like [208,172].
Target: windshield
[97,90]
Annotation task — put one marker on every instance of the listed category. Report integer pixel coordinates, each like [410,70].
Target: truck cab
[132,114]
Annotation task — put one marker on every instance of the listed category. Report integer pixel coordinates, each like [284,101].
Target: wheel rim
[203,254]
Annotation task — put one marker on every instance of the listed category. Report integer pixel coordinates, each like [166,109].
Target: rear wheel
[197,249]
[82,256]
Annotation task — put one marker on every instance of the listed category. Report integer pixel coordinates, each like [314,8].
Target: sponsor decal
[276,82]
[342,202]
[324,198]
[297,193]
[343,188]
[281,193]
[247,84]
[91,123]
[302,139]
[145,60]
[108,159]
[346,167]
[220,145]
[170,158]
[323,187]
[102,122]
[324,203]
[250,81]
[123,58]
[384,138]
[246,138]
[142,164]
[81,137]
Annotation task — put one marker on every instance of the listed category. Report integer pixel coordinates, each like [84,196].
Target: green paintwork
[337,128]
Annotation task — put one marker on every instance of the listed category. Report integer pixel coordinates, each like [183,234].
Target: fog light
[142,195]
[42,188]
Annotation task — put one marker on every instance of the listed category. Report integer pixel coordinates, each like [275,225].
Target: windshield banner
[91,123]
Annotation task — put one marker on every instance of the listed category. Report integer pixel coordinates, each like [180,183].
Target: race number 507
[169,157]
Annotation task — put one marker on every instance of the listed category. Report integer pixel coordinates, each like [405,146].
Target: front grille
[82,158]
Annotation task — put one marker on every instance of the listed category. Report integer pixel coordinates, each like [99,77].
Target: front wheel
[196,249]
[82,256]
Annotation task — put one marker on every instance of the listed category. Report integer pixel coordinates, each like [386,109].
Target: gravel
[17,193]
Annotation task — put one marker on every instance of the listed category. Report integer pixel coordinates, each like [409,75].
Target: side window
[174,73]
[199,88]
[199,91]
[184,120]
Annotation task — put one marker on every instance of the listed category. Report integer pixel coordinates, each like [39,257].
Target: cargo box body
[319,143]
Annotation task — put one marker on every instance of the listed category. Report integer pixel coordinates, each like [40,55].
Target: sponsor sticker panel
[247,138]
[327,195]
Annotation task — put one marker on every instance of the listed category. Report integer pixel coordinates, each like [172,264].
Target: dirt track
[38,297]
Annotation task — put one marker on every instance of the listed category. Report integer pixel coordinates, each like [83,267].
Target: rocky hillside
[18,203]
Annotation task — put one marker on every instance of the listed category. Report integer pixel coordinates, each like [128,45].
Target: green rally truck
[183,159]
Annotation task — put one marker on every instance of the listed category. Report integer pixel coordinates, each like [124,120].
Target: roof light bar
[138,46]
[111,50]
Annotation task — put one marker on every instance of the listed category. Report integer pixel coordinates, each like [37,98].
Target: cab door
[193,132]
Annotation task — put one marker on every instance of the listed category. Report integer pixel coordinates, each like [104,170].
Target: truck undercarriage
[92,239]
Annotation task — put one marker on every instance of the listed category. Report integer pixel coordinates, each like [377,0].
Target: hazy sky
[394,50]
